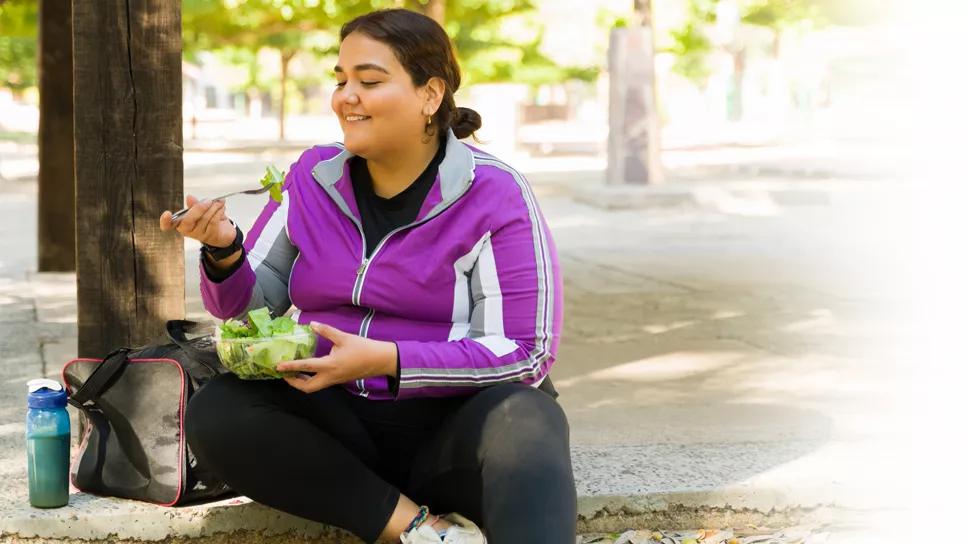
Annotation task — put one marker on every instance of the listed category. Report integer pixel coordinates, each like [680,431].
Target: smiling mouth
[356,118]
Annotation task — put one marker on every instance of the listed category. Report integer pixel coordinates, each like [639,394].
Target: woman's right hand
[204,221]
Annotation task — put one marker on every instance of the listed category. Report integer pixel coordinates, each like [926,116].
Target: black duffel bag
[132,408]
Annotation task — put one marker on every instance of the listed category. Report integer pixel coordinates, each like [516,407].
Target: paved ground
[732,353]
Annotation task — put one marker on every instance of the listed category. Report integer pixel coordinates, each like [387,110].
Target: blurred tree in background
[691,43]
[496,40]
[499,40]
[18,44]
[712,25]
[239,29]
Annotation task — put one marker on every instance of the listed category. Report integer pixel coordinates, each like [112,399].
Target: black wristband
[219,253]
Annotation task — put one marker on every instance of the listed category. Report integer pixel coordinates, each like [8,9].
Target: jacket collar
[453,179]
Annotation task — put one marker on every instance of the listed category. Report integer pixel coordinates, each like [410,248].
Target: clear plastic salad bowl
[254,358]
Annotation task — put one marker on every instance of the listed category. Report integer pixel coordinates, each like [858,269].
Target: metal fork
[177,215]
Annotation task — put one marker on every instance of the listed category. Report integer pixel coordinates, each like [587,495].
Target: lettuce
[261,320]
[236,329]
[274,179]
[251,350]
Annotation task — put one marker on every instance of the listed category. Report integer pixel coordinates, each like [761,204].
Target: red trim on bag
[181,423]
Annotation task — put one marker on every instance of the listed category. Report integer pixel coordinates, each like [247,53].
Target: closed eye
[364,83]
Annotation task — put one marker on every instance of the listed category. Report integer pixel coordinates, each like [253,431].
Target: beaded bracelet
[421,516]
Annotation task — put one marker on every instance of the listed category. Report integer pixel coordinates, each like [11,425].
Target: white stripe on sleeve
[271,231]
[461,290]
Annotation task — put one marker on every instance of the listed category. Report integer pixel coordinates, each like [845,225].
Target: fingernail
[315,324]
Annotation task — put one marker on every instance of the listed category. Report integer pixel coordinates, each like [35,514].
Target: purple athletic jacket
[471,291]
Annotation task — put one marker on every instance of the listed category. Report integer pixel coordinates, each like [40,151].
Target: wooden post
[128,139]
[634,143]
[285,56]
[55,139]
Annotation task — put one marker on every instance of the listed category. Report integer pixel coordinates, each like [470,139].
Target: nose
[352,98]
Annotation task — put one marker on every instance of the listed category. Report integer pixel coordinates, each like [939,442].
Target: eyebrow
[365,66]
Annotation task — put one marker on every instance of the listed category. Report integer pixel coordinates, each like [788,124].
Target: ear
[433,92]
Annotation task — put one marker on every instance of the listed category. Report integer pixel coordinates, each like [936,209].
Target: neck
[392,174]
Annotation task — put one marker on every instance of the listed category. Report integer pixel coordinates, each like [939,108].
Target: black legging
[499,457]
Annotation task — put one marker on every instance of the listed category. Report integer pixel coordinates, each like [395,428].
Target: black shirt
[381,215]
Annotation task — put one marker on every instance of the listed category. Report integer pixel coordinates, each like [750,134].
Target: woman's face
[379,109]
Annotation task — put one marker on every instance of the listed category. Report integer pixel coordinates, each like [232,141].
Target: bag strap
[98,381]
[176,329]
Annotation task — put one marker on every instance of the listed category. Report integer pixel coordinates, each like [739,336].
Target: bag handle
[98,381]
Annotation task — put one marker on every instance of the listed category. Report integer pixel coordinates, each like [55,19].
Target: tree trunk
[55,139]
[735,100]
[436,10]
[128,138]
[285,57]
[642,12]
[634,143]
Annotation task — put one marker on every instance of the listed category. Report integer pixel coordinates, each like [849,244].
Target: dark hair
[423,48]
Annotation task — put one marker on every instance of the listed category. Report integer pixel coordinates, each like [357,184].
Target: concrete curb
[102,519]
[613,495]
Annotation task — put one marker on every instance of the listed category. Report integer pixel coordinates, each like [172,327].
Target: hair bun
[466,121]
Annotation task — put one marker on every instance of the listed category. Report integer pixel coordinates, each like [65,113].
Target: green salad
[252,349]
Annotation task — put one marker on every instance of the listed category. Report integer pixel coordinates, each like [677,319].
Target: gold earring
[428,120]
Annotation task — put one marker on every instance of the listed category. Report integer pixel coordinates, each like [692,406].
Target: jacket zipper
[364,266]
[365,261]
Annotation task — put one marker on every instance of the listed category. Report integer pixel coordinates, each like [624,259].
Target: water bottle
[48,443]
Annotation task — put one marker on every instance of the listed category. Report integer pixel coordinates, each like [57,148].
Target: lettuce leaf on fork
[274,179]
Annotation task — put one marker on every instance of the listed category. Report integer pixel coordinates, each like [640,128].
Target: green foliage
[606,19]
[18,44]
[18,18]
[783,14]
[238,29]
[286,25]
[499,40]
[702,11]
[779,14]
[496,40]
[691,45]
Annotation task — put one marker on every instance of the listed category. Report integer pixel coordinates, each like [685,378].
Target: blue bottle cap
[45,393]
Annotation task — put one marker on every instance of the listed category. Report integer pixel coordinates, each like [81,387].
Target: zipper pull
[362,267]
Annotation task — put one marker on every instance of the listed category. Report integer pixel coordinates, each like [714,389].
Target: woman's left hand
[352,357]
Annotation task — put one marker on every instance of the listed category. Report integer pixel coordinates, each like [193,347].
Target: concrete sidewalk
[727,362]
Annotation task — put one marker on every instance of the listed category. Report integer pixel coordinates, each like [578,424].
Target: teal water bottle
[48,443]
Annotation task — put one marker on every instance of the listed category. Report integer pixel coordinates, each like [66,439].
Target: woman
[427,269]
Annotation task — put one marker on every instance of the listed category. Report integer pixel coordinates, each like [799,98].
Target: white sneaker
[463,531]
